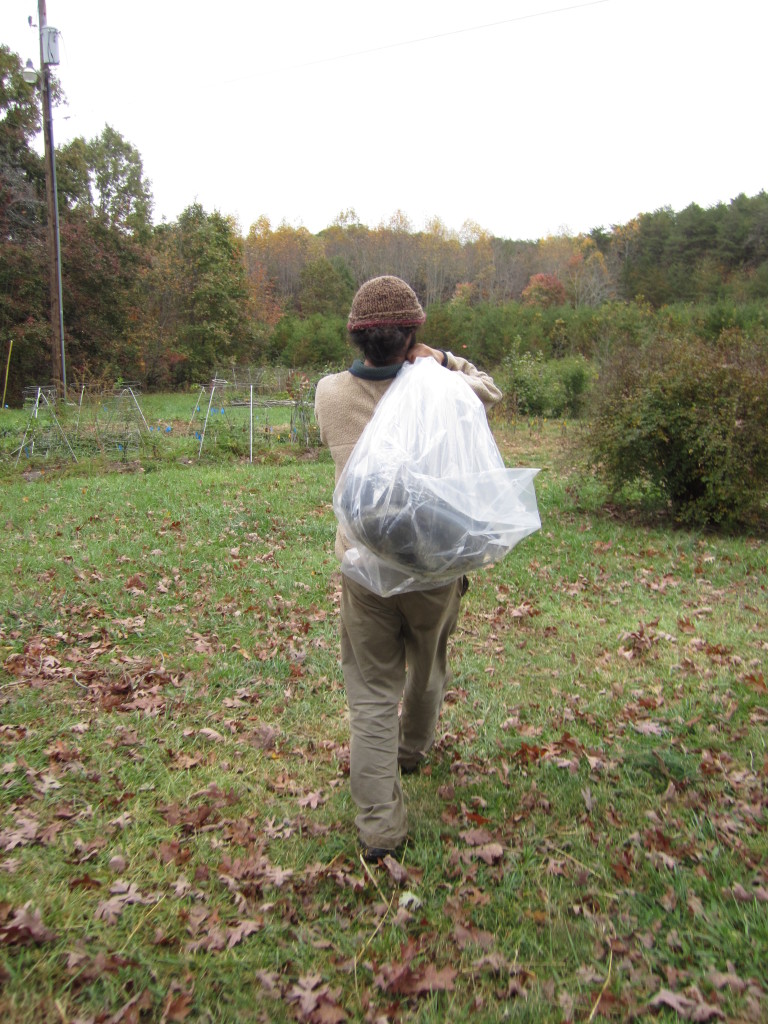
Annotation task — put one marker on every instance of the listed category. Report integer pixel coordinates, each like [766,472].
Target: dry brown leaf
[720,980]
[123,895]
[684,1007]
[177,1008]
[24,928]
[328,1013]
[489,852]
[242,930]
[471,936]
[211,734]
[312,800]
[396,870]
[422,981]
[476,836]
[135,582]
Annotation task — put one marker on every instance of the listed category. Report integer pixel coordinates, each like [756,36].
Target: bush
[689,419]
[312,342]
[533,386]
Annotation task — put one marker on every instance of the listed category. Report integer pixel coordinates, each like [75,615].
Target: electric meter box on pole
[49,42]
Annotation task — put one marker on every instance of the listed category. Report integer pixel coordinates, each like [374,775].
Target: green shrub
[534,386]
[314,341]
[528,391]
[688,419]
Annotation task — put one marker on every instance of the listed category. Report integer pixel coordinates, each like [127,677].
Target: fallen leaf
[687,1009]
[404,980]
[177,1008]
[241,931]
[489,852]
[312,800]
[211,734]
[306,992]
[648,728]
[464,937]
[123,895]
[720,980]
[25,927]
[476,836]
[328,1013]
[396,870]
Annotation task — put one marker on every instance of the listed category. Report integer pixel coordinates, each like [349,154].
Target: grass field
[588,841]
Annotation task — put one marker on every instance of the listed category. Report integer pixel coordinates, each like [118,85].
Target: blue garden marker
[167,430]
[119,447]
[197,435]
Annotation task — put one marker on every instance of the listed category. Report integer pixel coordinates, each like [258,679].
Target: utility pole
[49,55]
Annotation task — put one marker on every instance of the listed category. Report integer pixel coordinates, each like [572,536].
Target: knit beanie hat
[385,302]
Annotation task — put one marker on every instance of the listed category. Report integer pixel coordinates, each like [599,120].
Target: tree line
[170,304]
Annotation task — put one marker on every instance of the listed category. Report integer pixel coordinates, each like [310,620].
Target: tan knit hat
[385,302]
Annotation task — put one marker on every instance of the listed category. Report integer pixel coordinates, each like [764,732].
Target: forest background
[172,304]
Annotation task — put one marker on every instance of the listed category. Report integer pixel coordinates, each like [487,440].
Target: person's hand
[422,351]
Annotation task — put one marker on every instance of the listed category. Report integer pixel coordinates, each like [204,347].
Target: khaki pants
[392,648]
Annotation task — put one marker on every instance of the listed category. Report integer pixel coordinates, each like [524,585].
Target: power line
[377,49]
[444,35]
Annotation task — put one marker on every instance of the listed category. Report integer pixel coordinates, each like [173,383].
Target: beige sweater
[344,403]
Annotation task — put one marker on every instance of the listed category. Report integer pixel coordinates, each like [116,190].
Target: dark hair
[381,345]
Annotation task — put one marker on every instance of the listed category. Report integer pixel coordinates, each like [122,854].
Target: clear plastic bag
[425,495]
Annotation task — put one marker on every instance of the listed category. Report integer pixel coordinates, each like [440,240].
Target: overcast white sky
[525,116]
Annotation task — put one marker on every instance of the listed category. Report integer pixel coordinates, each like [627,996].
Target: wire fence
[239,416]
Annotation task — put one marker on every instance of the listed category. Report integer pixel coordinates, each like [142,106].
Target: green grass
[173,752]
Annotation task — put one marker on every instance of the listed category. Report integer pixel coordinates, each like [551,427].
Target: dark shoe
[373,854]
[410,769]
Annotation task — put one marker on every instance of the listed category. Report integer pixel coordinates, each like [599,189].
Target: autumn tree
[284,252]
[199,293]
[24,313]
[588,281]
[440,261]
[103,308]
[544,290]
[73,181]
[513,263]
[264,307]
[20,118]
[105,227]
[326,286]
[107,175]
[479,265]
[617,246]
[353,242]
[395,247]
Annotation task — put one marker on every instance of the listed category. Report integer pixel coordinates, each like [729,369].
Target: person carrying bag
[407,534]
